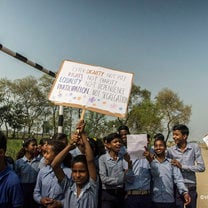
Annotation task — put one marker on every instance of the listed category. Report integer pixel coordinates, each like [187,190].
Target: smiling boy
[188,157]
[164,176]
[112,173]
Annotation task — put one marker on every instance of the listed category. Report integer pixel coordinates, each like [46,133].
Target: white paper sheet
[135,145]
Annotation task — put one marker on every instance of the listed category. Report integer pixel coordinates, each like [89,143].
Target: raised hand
[148,155]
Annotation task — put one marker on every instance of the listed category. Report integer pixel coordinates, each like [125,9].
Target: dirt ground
[202,182]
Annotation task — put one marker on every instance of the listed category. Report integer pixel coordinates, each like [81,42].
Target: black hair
[58,146]
[97,146]
[104,139]
[112,136]
[3,141]
[43,141]
[148,136]
[79,158]
[60,137]
[159,135]
[182,128]
[25,144]
[27,141]
[123,127]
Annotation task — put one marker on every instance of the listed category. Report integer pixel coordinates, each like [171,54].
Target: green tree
[145,118]
[172,110]
[142,114]
[15,118]
[7,102]
[96,124]
[49,114]
[26,92]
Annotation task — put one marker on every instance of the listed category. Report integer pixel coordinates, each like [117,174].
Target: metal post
[40,68]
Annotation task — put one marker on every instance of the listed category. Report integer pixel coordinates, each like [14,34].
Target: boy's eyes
[80,171]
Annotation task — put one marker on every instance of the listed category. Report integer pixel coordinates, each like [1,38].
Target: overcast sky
[163,42]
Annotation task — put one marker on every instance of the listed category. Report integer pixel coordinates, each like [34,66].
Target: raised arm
[89,157]
[56,164]
[88,151]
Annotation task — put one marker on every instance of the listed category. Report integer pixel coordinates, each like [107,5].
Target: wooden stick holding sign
[94,88]
[82,115]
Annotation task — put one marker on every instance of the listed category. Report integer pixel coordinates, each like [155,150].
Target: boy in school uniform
[112,173]
[138,185]
[165,176]
[188,158]
[81,190]
[11,194]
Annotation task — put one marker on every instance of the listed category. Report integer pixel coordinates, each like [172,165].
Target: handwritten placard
[94,88]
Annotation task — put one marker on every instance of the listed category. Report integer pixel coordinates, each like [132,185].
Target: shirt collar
[26,160]
[188,147]
[108,157]
[166,159]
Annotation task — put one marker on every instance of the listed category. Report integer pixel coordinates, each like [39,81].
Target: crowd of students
[89,173]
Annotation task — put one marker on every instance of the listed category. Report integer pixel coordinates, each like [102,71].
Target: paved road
[202,182]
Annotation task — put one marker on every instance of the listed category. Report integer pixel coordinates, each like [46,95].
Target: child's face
[43,148]
[178,137]
[159,147]
[123,133]
[49,155]
[31,148]
[80,173]
[114,145]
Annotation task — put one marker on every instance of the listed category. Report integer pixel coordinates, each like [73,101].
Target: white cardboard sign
[94,88]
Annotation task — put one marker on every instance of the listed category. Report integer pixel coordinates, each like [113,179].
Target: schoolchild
[41,149]
[138,185]
[164,176]
[188,158]
[112,173]
[48,191]
[81,191]
[11,194]
[123,131]
[27,168]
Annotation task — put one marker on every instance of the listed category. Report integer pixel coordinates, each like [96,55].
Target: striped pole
[40,68]
[27,61]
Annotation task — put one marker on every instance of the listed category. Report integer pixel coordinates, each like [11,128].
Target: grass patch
[13,147]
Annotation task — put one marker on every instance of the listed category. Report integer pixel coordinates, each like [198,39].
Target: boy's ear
[185,136]
[108,145]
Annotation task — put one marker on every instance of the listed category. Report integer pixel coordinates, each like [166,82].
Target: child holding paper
[139,177]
